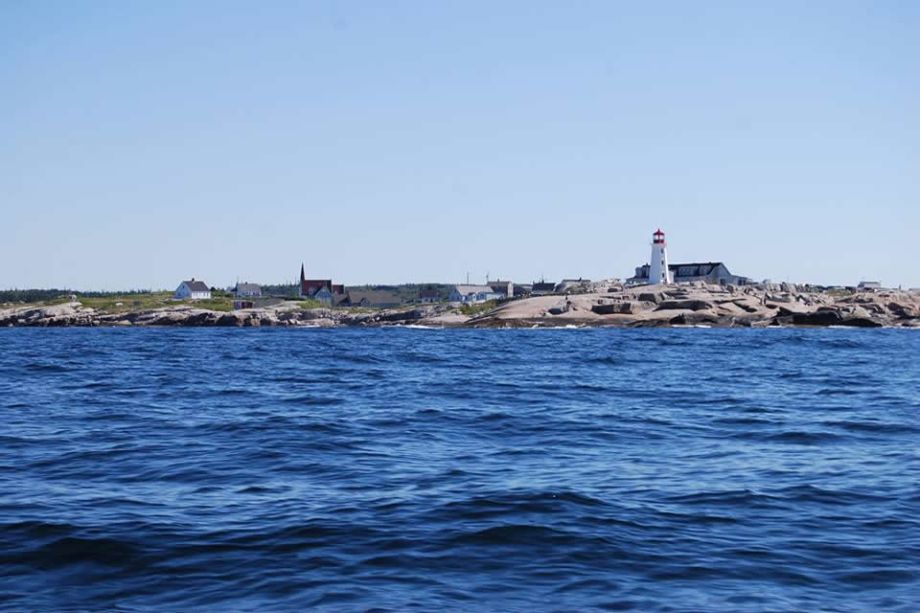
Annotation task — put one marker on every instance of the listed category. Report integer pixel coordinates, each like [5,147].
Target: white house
[472,294]
[247,290]
[192,290]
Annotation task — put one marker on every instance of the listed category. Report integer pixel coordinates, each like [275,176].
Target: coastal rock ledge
[674,305]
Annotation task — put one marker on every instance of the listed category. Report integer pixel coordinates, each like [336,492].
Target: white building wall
[658,271]
[184,293]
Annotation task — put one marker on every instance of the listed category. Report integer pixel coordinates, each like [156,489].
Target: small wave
[45,367]
[314,400]
[839,391]
[510,534]
[607,360]
[873,427]
[77,550]
[879,578]
[744,421]
[803,438]
[813,493]
[730,498]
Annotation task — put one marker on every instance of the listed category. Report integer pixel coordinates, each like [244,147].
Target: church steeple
[302,277]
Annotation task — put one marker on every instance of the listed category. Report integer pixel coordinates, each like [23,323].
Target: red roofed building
[320,289]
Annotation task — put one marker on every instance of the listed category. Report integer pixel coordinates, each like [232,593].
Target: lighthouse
[658,271]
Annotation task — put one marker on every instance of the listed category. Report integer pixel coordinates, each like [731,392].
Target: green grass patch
[125,303]
[312,304]
[471,310]
[117,303]
[214,304]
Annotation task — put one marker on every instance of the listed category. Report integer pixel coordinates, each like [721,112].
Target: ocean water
[494,470]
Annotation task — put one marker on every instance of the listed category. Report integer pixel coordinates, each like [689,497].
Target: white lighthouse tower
[658,271]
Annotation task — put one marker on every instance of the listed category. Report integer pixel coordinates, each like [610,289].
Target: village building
[715,273]
[247,290]
[429,295]
[323,290]
[373,298]
[473,294]
[505,288]
[522,290]
[572,285]
[542,288]
[659,271]
[869,285]
[192,289]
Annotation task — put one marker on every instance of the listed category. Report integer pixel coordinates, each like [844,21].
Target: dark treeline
[288,290]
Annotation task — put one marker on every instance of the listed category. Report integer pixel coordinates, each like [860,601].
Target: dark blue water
[464,470]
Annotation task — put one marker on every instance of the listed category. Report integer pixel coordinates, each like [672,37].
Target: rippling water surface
[459,469]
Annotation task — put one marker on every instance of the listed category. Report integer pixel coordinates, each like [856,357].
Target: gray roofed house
[470,294]
[192,289]
[429,295]
[247,290]
[341,299]
[375,298]
[542,288]
[505,288]
[716,273]
[521,290]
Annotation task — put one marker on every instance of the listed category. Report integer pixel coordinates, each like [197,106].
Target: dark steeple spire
[302,277]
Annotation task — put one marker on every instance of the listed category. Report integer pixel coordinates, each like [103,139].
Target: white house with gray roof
[192,289]
[247,290]
[472,294]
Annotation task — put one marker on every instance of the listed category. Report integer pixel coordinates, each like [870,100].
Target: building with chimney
[193,289]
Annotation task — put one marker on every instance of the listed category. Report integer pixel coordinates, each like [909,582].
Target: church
[323,290]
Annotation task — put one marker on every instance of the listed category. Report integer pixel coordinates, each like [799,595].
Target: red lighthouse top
[658,237]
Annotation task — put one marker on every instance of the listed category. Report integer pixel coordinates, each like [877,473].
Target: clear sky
[384,142]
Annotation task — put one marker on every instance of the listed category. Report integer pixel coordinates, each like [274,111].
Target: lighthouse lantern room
[658,271]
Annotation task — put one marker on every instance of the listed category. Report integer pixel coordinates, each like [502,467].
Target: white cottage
[247,290]
[192,290]
[472,294]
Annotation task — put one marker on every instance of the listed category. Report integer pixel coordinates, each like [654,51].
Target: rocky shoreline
[658,306]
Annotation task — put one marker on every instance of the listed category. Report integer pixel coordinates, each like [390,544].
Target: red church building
[323,290]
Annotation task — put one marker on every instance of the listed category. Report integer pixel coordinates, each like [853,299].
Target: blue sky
[385,142]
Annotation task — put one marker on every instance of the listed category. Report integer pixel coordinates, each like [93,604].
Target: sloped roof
[197,286]
[464,290]
[248,287]
[374,297]
[311,286]
[695,269]
[685,269]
